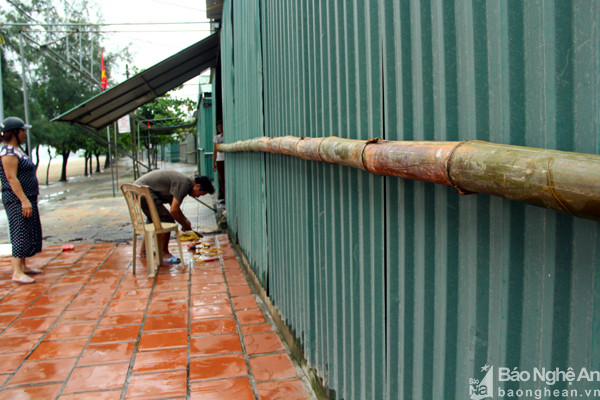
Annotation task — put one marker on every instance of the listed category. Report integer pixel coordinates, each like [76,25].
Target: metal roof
[109,106]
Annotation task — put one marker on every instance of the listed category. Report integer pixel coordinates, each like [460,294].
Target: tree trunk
[63,172]
[85,157]
[91,163]
[97,162]
[48,168]
[37,156]
[107,161]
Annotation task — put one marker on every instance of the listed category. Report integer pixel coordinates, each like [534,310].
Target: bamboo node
[449,165]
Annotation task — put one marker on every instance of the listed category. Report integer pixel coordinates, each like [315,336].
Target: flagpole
[103,86]
[115,158]
[112,175]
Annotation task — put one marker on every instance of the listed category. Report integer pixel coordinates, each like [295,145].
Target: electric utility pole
[1,92]
[25,102]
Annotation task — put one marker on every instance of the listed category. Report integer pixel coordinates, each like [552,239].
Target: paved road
[83,210]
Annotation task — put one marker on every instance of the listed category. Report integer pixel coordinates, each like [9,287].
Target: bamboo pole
[563,181]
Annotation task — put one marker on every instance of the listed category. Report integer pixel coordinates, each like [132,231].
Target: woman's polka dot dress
[25,233]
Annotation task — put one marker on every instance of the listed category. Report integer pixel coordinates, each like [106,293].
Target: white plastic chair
[133,195]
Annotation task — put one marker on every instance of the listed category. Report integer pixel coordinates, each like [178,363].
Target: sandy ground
[75,167]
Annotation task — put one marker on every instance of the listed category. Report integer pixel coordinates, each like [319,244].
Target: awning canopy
[167,129]
[109,106]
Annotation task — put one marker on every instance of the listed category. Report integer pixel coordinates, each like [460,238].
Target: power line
[17,6]
[86,24]
[136,31]
[57,57]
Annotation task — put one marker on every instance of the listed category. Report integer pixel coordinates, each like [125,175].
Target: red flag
[104,80]
[149,127]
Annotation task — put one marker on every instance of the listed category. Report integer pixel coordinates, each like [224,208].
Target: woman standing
[19,195]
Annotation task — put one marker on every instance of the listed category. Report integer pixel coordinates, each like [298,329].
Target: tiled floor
[88,328]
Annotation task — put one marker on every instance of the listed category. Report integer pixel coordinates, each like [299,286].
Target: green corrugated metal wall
[400,289]
[170,152]
[242,118]
[206,128]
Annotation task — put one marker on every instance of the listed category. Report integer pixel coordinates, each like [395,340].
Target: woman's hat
[11,123]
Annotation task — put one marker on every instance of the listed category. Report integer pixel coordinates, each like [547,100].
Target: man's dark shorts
[163,213]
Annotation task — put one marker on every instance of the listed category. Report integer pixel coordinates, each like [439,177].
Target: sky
[150,44]
[170,26]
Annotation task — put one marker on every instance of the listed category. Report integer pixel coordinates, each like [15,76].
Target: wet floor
[89,328]
[92,208]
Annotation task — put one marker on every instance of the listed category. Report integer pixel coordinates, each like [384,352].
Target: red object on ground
[67,247]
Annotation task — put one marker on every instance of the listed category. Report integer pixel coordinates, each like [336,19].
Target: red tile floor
[89,328]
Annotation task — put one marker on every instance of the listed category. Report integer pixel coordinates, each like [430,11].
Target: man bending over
[171,187]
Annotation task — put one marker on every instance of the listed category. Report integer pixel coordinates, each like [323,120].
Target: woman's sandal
[24,280]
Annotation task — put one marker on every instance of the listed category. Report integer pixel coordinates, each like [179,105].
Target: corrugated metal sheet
[188,149]
[206,129]
[399,289]
[243,118]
